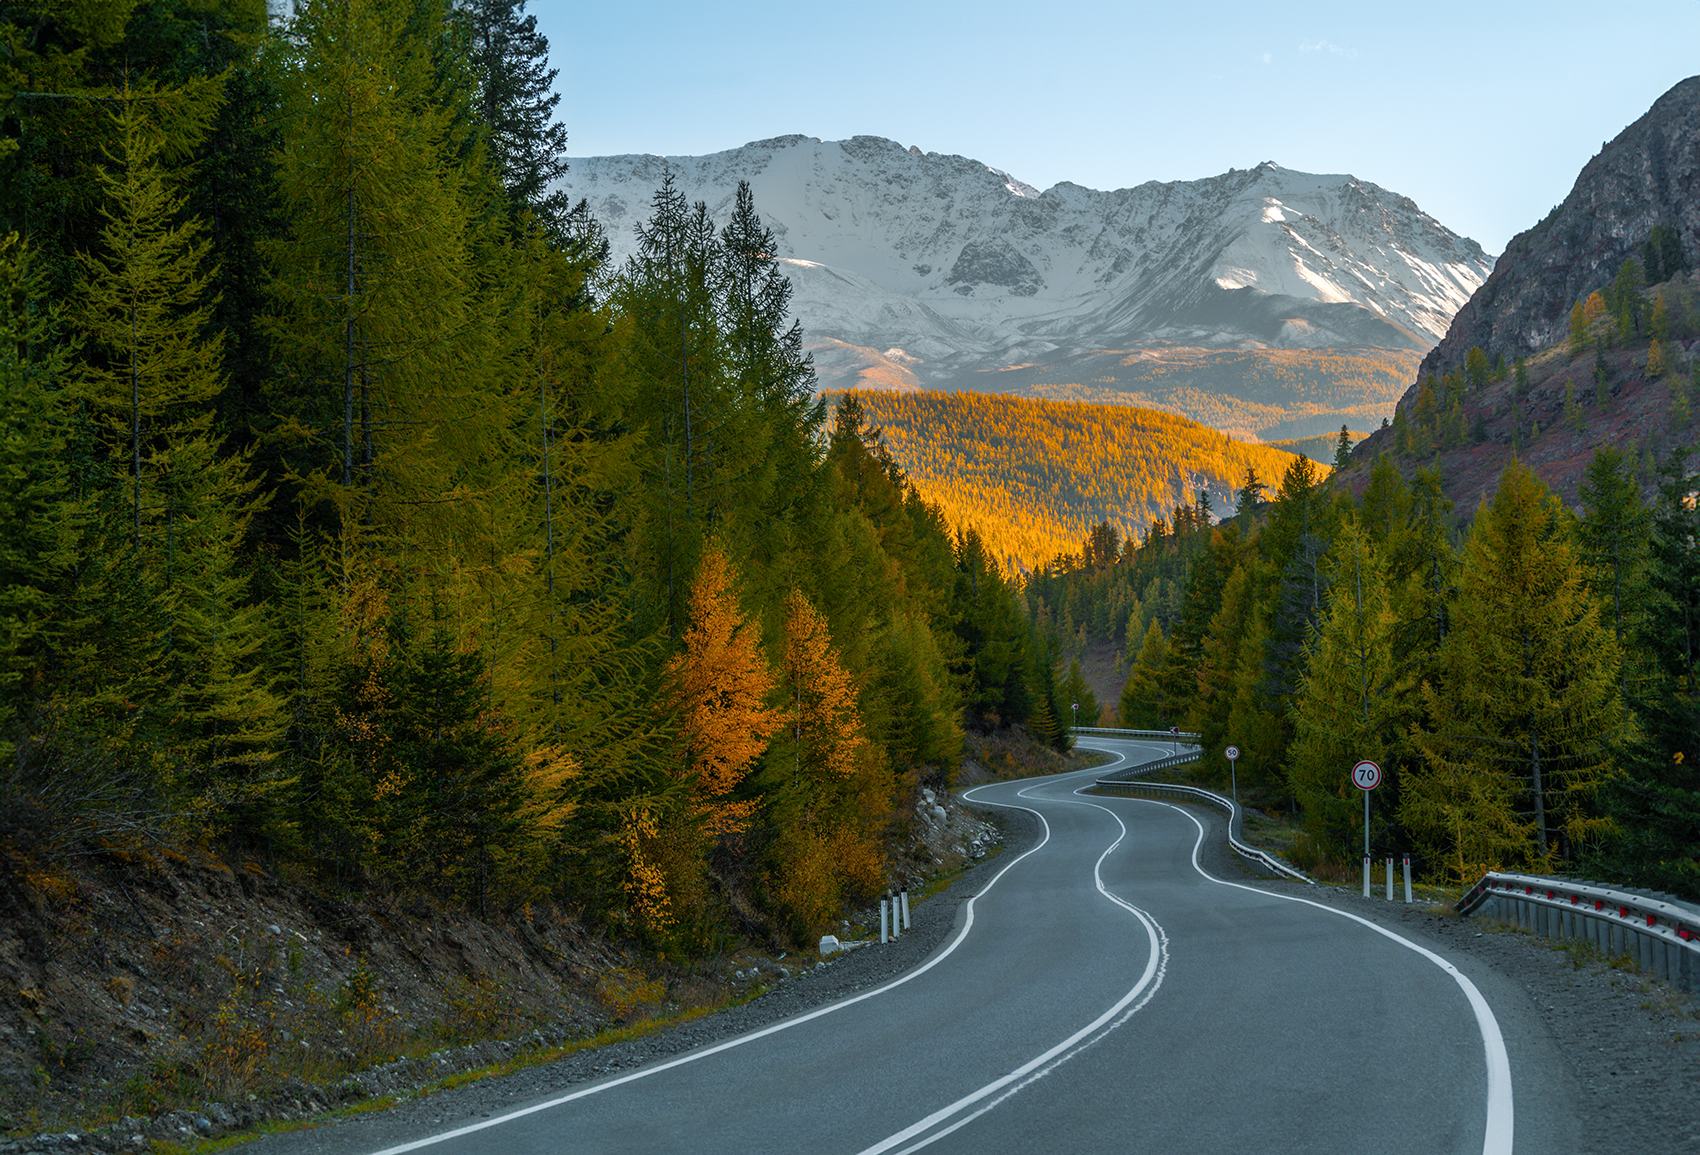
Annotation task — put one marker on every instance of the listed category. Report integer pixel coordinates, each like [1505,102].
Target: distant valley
[1263,302]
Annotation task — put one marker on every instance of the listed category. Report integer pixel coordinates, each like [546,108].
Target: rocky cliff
[1649,175]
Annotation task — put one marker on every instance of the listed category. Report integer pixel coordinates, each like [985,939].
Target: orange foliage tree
[826,729]
[719,685]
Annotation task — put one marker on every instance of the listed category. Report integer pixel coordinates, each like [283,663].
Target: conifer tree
[1250,492]
[152,377]
[516,100]
[1343,450]
[1654,803]
[1526,687]
[1141,697]
[822,723]
[376,279]
[1613,539]
[1476,369]
[718,683]
[1351,702]
[38,547]
[144,301]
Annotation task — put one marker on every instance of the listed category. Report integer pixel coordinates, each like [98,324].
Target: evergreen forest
[363,520]
[1528,682]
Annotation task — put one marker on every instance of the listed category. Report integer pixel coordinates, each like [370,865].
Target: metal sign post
[1233,755]
[1366,776]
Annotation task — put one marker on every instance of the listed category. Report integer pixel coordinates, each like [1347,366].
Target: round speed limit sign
[1232,752]
[1366,776]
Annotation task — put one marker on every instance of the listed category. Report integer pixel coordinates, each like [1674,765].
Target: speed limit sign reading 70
[1366,776]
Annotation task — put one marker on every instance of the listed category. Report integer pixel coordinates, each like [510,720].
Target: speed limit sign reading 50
[1232,753]
[1366,776]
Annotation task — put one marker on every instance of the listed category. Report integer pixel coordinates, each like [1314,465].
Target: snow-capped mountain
[929,269]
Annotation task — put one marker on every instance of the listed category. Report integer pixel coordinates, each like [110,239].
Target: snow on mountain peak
[961,264]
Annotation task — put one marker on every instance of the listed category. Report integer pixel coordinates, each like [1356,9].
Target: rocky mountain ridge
[932,270]
[1648,175]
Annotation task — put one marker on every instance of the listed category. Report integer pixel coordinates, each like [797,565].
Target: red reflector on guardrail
[1623,912]
[1599,904]
[1574,900]
[1651,920]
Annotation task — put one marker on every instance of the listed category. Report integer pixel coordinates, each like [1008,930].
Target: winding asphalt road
[1103,993]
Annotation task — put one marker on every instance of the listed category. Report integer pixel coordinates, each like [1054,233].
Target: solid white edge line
[1156,966]
[1497,1137]
[738,1041]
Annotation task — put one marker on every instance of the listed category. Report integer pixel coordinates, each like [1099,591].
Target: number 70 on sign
[1366,776]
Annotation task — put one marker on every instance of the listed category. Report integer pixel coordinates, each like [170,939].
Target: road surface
[1101,993]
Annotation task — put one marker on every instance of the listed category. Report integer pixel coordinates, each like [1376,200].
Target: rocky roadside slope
[160,998]
[1631,1045]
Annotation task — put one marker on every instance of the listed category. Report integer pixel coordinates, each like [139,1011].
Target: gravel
[1632,1045]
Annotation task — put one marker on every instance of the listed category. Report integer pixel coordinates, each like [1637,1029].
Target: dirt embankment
[172,997]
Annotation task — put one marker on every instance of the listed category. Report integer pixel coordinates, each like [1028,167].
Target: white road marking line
[1497,1138]
[729,1044]
[1156,966]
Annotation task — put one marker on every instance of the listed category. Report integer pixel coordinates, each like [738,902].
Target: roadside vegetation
[1528,681]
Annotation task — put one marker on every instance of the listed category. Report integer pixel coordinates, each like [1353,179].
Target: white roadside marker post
[1407,878]
[1366,875]
[906,923]
[1389,878]
[884,904]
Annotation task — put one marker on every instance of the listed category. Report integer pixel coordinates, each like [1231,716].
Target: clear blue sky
[1481,112]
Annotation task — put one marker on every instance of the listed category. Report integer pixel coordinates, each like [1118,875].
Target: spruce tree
[1654,803]
[516,100]
[1613,538]
[1343,450]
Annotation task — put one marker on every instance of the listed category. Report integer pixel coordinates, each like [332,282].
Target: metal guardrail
[1160,764]
[1131,785]
[1156,735]
[1661,933]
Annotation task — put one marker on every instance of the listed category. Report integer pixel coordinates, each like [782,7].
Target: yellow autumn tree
[719,685]
[825,727]
[826,845]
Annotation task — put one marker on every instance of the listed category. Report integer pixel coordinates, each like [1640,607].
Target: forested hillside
[1034,476]
[1530,685]
[362,520]
[1269,394]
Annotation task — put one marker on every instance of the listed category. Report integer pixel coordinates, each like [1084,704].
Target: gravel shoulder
[1628,1046]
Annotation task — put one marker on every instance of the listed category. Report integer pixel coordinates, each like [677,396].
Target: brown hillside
[1641,417]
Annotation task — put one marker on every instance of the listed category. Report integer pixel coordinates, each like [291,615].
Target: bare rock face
[1649,175]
